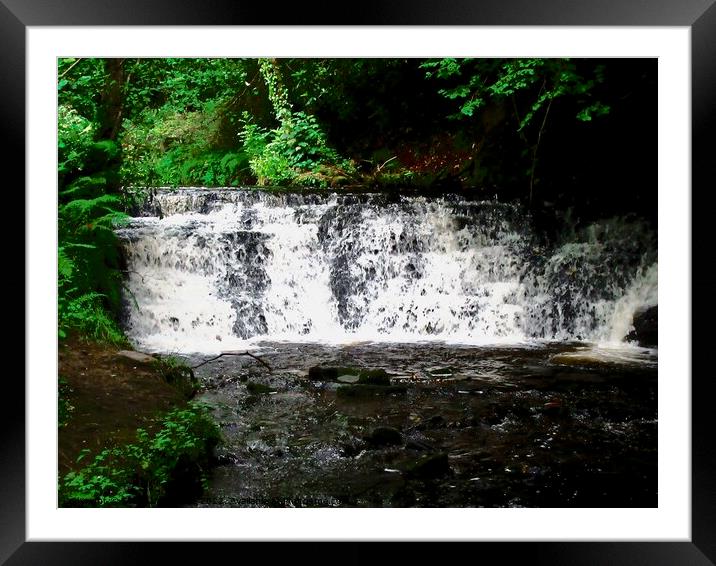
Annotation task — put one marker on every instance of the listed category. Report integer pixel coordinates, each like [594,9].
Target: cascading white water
[209,270]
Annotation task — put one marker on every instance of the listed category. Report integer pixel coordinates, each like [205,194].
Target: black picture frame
[699,15]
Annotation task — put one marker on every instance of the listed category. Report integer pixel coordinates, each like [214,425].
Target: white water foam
[222,270]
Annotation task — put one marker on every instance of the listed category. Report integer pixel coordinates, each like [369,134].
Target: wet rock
[349,375]
[257,388]
[330,373]
[374,377]
[385,436]
[352,448]
[646,328]
[318,373]
[137,356]
[359,391]
[554,407]
[430,466]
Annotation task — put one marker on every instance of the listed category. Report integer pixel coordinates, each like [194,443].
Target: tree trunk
[110,114]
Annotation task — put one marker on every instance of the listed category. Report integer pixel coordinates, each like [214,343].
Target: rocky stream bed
[434,425]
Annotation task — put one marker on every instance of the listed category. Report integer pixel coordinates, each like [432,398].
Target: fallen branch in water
[234,354]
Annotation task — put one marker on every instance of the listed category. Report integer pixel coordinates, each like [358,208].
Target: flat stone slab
[137,356]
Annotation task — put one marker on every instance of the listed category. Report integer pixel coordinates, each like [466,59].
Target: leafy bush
[298,146]
[158,469]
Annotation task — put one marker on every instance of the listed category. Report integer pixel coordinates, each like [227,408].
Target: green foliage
[102,483]
[79,83]
[473,82]
[297,146]
[87,283]
[150,472]
[87,314]
[172,148]
[277,94]
[75,138]
[88,257]
[181,85]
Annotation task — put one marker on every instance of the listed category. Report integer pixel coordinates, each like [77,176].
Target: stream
[551,426]
[501,372]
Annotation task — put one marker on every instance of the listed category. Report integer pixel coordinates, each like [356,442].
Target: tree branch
[68,69]
[534,155]
[234,354]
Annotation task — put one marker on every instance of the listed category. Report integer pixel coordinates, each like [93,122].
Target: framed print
[630,511]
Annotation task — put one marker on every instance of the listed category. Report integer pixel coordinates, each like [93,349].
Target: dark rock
[385,436]
[431,466]
[349,375]
[646,328]
[330,373]
[352,448]
[374,377]
[365,391]
[257,388]
[318,373]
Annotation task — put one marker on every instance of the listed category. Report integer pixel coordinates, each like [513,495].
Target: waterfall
[209,270]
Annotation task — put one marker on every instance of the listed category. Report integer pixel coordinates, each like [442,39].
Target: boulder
[646,328]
